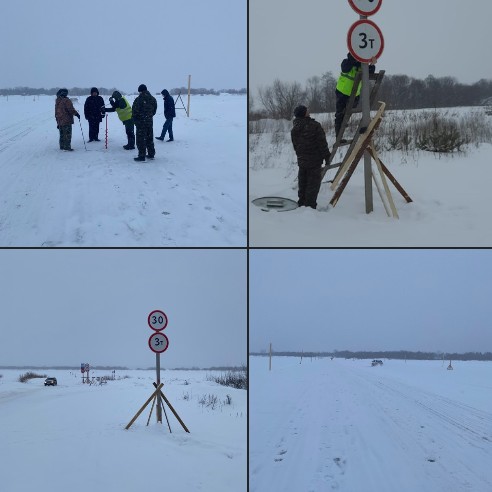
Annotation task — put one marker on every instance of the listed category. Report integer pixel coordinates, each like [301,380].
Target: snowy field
[73,437]
[192,194]
[450,194]
[344,425]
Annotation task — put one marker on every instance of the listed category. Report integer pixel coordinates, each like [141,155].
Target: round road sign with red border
[158,343]
[366,7]
[157,320]
[365,40]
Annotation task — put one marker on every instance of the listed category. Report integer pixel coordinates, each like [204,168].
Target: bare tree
[314,95]
[328,86]
[280,99]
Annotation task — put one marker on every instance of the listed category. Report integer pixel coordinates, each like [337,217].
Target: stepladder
[349,111]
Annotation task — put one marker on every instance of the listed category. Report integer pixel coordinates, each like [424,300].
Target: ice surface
[192,194]
[72,436]
[344,425]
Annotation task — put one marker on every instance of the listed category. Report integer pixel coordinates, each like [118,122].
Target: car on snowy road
[50,382]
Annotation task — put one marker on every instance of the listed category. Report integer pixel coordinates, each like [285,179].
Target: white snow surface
[192,194]
[73,437]
[344,425]
[450,193]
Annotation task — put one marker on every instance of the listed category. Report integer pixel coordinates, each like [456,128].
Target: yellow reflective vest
[125,113]
[346,82]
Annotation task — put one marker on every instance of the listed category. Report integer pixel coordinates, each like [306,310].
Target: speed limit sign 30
[157,320]
[158,343]
[365,41]
[366,7]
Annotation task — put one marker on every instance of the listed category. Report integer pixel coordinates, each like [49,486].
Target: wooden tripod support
[361,145]
[153,398]
[142,408]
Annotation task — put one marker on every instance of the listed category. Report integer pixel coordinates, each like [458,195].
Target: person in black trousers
[92,112]
[311,148]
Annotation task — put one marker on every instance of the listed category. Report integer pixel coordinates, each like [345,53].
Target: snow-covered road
[72,436]
[343,425]
[192,194]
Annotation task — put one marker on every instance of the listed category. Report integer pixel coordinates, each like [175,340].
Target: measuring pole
[366,119]
[158,375]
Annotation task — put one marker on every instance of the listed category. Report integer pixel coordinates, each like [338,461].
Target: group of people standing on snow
[139,115]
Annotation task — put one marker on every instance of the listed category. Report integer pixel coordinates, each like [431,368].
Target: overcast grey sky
[323,300]
[64,307]
[123,43]
[293,41]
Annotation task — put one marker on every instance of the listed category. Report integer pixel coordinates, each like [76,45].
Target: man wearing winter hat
[64,113]
[309,140]
[143,109]
[349,69]
[123,109]
[92,113]
[169,114]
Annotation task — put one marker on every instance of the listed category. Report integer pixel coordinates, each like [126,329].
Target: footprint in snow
[281,453]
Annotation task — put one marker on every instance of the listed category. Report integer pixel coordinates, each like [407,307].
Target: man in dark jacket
[143,110]
[309,140]
[64,113]
[123,109]
[349,67]
[169,114]
[92,112]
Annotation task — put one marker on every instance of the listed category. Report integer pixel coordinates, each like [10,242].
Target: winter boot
[139,159]
[159,138]
[128,147]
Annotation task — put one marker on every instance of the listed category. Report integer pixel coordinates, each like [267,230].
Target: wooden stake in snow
[364,144]
[270,367]
[142,408]
[189,89]
[450,367]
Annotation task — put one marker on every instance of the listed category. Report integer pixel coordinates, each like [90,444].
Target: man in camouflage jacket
[143,110]
[64,113]
[309,140]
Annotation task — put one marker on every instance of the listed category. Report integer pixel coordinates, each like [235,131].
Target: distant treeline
[397,91]
[68,368]
[401,354]
[122,368]
[218,368]
[84,91]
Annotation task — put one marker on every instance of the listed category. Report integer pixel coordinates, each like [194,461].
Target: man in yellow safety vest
[350,67]
[124,111]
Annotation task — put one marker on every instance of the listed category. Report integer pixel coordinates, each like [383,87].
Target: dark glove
[78,116]
[103,110]
[57,126]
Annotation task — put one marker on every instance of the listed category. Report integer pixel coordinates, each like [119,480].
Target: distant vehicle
[50,382]
[376,363]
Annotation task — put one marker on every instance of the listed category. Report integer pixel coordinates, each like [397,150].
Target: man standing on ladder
[350,67]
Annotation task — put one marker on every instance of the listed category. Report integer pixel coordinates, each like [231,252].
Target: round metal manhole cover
[279,204]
